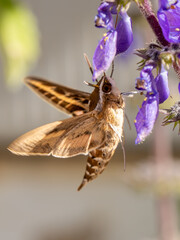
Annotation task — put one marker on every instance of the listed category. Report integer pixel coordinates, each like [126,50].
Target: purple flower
[104,53]
[146,117]
[104,17]
[162,85]
[124,33]
[146,78]
[117,40]
[157,92]
[179,87]
[169,19]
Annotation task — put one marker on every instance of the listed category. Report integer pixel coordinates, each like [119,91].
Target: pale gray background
[38,198]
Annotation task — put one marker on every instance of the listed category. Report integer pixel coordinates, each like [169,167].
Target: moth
[95,128]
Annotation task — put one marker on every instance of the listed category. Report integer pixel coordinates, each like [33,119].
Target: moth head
[104,90]
[109,92]
[108,87]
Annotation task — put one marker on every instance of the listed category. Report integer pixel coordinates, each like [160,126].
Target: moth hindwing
[95,133]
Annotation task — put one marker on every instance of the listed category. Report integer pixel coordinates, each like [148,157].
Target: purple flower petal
[113,8]
[165,4]
[146,117]
[104,54]
[125,34]
[169,20]
[179,87]
[104,18]
[146,78]
[162,85]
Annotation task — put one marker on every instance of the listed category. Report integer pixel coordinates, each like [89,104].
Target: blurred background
[38,197]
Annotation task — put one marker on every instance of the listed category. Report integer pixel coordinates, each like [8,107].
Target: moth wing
[81,139]
[68,100]
[67,138]
[26,144]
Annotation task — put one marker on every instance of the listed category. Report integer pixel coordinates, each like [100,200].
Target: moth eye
[106,88]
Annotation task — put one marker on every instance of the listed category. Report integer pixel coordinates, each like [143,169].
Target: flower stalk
[146,9]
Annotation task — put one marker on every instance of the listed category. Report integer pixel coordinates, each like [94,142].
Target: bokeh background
[38,197]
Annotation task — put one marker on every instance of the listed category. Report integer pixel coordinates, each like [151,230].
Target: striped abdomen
[98,159]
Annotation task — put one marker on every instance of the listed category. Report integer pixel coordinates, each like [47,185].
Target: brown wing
[67,138]
[66,99]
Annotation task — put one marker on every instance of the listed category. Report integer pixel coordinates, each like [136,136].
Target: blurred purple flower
[117,40]
[146,117]
[169,19]
[162,85]
[179,87]
[157,92]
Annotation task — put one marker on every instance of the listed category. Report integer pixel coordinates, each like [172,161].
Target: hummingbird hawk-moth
[95,129]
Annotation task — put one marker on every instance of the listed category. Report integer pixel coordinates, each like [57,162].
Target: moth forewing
[68,100]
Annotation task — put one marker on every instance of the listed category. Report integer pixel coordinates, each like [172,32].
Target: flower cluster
[155,56]
[113,17]
[157,92]
[118,38]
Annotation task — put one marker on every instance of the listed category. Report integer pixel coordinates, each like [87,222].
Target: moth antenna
[129,94]
[91,85]
[88,62]
[112,70]
[128,121]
